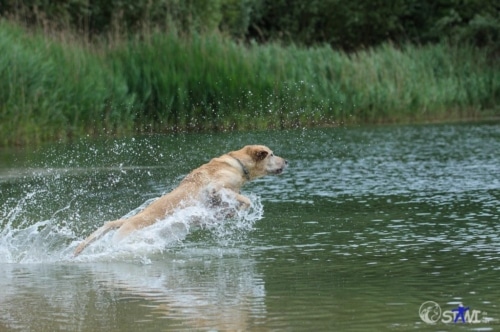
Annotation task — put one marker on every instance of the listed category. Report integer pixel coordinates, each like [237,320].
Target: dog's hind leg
[98,234]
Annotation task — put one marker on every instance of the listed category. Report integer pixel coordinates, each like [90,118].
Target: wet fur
[222,176]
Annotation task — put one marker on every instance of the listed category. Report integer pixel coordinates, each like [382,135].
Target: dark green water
[364,227]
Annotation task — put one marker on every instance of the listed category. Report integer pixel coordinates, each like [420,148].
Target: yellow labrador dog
[222,176]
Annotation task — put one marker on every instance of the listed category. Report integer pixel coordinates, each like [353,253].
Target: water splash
[172,230]
[64,192]
[51,240]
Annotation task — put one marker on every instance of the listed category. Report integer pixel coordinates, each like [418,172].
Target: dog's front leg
[227,202]
[244,201]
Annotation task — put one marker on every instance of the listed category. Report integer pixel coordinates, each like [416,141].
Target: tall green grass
[51,88]
[212,82]
[54,89]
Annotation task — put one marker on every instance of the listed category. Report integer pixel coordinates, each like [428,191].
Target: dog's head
[259,160]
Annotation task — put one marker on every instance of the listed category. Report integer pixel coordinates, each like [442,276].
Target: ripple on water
[365,225]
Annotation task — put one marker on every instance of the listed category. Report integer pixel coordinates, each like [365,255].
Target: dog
[207,184]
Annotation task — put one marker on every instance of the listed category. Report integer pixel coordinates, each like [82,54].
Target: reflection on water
[365,226]
[199,291]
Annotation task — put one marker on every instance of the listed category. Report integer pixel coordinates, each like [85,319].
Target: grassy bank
[55,88]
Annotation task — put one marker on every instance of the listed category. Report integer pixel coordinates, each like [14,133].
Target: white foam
[50,241]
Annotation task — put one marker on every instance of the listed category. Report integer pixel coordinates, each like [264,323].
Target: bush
[347,25]
[351,25]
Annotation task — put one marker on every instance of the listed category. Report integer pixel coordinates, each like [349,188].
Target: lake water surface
[365,226]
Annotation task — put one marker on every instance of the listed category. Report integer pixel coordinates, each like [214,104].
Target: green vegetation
[74,68]
[349,25]
[53,90]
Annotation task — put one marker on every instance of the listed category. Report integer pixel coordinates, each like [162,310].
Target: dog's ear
[259,155]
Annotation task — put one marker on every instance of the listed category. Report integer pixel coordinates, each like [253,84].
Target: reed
[54,88]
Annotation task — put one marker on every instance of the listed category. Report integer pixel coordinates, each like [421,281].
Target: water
[365,226]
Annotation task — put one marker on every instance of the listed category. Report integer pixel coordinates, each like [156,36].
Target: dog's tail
[98,234]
